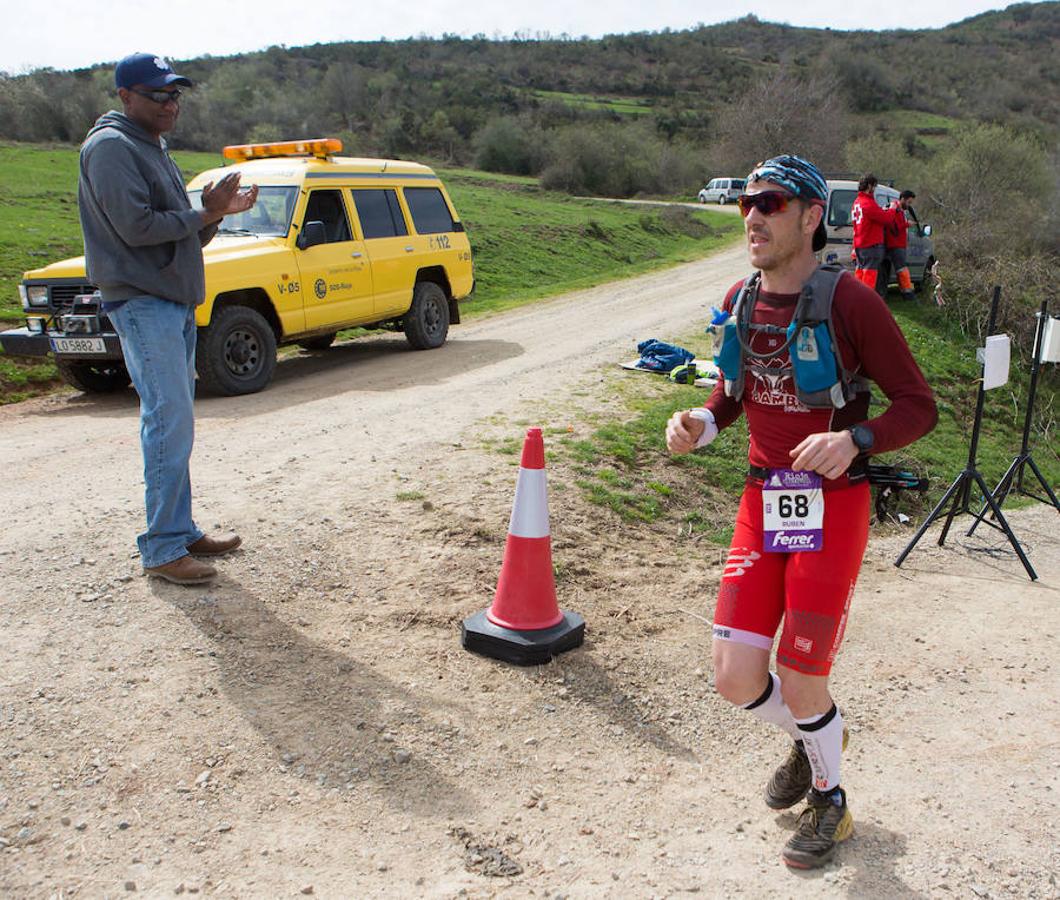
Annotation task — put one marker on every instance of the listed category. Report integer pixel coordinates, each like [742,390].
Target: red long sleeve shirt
[897,236]
[872,345]
[869,220]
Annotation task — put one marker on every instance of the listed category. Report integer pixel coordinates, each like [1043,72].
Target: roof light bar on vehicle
[316,147]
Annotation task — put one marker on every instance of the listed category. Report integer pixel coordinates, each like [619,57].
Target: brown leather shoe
[215,546]
[183,571]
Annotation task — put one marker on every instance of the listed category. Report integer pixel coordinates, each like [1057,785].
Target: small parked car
[722,190]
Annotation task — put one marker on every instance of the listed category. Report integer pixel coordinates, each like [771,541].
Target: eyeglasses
[768,203]
[160,97]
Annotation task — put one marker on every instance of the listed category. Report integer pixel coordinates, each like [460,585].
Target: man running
[806,494]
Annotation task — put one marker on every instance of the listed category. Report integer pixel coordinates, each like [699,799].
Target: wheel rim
[432,318]
[242,352]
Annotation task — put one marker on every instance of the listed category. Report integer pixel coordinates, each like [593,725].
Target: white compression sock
[770,707]
[822,736]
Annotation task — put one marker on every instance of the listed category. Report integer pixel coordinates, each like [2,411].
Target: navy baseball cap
[802,178]
[147,69]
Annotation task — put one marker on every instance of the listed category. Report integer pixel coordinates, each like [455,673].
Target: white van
[722,190]
[920,253]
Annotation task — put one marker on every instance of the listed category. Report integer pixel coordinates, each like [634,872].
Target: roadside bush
[680,219]
[510,145]
[992,200]
[1025,278]
[888,157]
[994,191]
[866,82]
[618,160]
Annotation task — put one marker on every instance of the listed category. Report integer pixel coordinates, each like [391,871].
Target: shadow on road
[589,682]
[373,365]
[871,855]
[326,716]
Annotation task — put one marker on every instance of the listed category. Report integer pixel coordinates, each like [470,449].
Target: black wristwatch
[863,437]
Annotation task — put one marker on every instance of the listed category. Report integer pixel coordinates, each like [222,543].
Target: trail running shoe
[821,826]
[790,781]
[793,778]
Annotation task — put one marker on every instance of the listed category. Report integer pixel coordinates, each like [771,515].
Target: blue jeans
[158,341]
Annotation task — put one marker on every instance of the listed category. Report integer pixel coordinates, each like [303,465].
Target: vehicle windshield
[269,217]
[839,206]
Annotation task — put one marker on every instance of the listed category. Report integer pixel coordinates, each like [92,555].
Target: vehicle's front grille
[62,295]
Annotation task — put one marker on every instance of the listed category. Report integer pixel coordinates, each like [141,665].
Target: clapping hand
[225,198]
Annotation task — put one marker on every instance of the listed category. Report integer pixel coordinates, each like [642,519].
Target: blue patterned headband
[798,175]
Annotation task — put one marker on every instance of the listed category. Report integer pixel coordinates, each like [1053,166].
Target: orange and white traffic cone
[525,624]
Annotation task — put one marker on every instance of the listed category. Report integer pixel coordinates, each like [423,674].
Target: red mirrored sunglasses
[767,203]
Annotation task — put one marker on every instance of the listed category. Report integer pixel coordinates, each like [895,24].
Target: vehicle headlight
[35,295]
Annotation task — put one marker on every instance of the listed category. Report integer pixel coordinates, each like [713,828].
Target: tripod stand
[1015,471]
[960,492]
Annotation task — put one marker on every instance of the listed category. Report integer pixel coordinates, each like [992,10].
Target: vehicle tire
[320,342]
[702,199]
[103,376]
[236,352]
[919,286]
[426,323]
[721,200]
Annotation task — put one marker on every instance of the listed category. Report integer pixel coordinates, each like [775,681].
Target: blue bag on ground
[659,356]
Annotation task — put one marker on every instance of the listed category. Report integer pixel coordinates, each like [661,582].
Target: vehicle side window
[739,183]
[379,212]
[327,207]
[430,214]
[839,205]
[724,184]
[713,184]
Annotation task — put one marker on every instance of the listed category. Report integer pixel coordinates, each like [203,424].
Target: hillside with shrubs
[968,115]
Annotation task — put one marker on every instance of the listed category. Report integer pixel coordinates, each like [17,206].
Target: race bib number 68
[792,512]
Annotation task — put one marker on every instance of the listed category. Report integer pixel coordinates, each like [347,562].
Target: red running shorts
[810,591]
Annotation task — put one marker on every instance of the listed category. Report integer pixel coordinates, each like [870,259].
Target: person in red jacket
[807,478]
[869,221]
[895,240]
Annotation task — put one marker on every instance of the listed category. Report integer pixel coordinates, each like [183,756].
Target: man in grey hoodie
[143,250]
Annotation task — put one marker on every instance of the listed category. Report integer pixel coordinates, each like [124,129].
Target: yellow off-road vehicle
[332,242]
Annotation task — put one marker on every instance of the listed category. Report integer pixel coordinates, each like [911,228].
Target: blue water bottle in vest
[726,343]
[811,356]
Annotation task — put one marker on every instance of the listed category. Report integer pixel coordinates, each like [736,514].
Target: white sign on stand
[1051,341]
[996,357]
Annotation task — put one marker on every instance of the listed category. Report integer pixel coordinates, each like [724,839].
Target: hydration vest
[815,364]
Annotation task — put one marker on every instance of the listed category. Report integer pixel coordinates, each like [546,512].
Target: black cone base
[523,648]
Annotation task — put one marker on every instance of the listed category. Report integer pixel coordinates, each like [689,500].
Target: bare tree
[783,113]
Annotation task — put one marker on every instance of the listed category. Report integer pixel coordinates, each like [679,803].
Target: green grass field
[623,106]
[38,210]
[933,130]
[626,466]
[532,245]
[527,243]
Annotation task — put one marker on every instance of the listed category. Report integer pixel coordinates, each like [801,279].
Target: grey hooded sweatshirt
[141,234]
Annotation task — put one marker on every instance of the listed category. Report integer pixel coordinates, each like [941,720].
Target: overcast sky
[70,34]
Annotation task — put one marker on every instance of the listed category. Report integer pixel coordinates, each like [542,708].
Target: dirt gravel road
[310,725]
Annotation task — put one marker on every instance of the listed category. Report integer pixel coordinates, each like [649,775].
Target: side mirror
[926,231]
[312,233]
